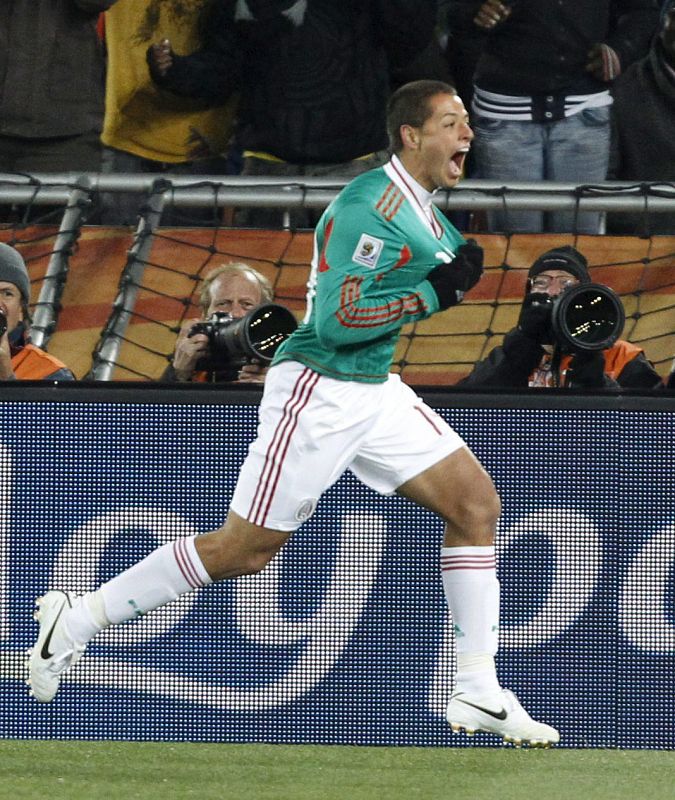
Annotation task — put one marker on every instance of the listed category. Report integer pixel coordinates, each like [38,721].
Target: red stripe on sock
[185,564]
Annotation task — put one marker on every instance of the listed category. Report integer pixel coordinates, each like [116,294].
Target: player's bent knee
[491,508]
[479,515]
[472,520]
[256,562]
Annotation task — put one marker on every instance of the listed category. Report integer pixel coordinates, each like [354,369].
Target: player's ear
[410,136]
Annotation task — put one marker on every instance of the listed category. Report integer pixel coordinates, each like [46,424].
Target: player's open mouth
[457,162]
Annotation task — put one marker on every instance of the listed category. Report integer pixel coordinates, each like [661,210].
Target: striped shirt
[540,108]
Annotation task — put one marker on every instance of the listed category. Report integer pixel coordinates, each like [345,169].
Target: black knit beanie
[13,270]
[565,258]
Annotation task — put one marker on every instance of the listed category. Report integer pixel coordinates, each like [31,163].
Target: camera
[584,317]
[3,324]
[234,342]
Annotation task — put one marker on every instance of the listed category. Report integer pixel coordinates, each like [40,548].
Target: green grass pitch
[76,770]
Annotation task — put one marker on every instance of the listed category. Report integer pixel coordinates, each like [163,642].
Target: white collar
[420,198]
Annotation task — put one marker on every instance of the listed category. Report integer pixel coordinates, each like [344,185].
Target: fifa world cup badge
[368,251]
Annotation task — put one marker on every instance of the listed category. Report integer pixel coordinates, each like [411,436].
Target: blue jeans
[573,150]
[122,208]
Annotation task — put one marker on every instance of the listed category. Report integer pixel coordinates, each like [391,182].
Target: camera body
[212,327]
[584,317]
[219,358]
[235,342]
[3,323]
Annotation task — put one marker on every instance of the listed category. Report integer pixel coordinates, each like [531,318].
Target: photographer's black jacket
[511,365]
[228,375]
[313,92]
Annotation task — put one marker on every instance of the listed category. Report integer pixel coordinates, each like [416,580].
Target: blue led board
[345,637]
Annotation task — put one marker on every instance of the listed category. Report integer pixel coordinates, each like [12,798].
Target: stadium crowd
[289,88]
[299,88]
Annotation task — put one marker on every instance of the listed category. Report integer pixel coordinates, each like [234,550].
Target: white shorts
[313,428]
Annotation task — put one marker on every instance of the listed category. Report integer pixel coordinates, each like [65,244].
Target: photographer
[233,289]
[19,359]
[529,355]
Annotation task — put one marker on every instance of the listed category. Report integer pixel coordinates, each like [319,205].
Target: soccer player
[383,257]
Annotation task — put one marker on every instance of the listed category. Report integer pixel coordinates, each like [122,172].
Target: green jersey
[374,247]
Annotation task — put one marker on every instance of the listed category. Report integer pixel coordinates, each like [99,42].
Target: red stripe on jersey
[324,266]
[403,257]
[394,211]
[350,316]
[390,201]
[433,220]
[391,186]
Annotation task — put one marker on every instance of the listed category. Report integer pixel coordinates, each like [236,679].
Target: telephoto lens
[587,316]
[257,335]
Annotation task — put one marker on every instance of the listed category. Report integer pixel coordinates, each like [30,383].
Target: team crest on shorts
[368,251]
[305,509]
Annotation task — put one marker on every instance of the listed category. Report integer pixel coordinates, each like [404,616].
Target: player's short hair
[234,268]
[409,105]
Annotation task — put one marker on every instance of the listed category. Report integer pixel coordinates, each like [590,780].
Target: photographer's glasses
[544,282]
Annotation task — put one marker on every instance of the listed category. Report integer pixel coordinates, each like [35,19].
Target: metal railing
[317,193]
[76,192]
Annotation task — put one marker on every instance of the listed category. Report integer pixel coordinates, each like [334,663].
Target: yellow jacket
[140,118]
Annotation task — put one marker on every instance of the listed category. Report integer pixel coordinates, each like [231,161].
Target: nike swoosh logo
[45,645]
[496,714]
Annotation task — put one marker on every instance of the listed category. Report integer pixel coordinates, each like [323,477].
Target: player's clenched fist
[451,281]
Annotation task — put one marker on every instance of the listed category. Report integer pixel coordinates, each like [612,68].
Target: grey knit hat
[13,270]
[564,258]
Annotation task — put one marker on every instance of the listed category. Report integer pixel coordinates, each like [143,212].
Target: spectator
[463,44]
[643,144]
[314,78]
[147,129]
[233,289]
[529,355]
[19,359]
[51,90]
[541,105]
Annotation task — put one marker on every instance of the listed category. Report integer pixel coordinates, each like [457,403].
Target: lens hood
[587,316]
[257,335]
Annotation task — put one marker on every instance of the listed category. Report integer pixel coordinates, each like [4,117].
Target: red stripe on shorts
[429,420]
[279,445]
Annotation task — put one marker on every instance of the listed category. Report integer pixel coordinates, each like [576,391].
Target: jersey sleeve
[352,305]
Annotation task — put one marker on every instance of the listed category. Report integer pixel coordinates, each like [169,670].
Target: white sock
[168,572]
[86,618]
[472,592]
